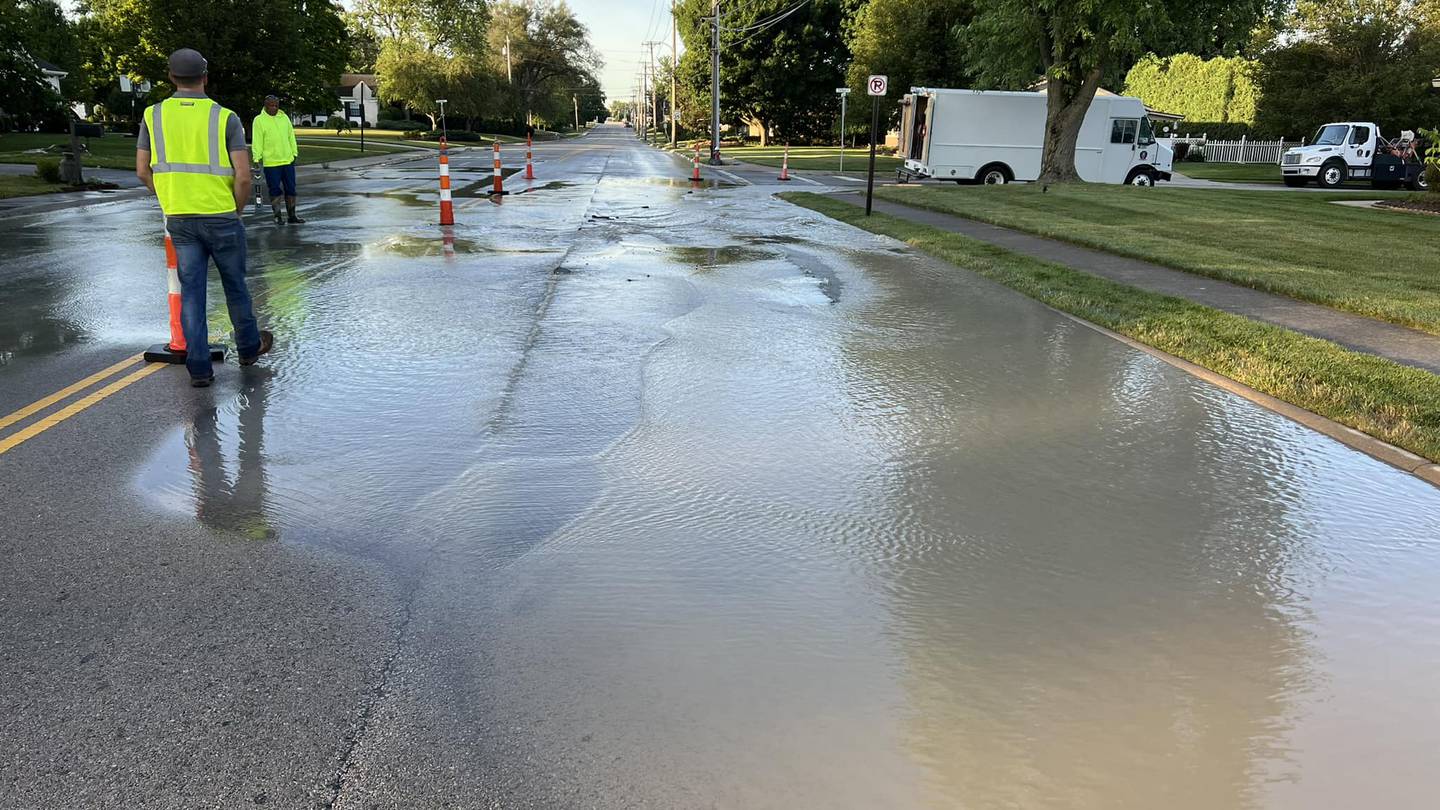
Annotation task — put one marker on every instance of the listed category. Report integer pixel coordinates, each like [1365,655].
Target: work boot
[275,206]
[202,382]
[290,209]
[267,340]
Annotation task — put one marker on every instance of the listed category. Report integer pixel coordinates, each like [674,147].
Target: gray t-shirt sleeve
[234,134]
[142,140]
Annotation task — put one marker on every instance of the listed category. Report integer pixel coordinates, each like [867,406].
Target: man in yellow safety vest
[273,143]
[191,153]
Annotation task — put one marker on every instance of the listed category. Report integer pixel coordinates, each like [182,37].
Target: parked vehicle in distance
[1355,150]
[997,137]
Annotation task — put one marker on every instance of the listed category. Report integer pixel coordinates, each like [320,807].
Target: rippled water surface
[710,501]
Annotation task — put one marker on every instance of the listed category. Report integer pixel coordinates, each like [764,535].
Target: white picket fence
[1241,151]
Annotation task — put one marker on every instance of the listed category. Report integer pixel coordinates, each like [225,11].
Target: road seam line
[15,439]
[42,404]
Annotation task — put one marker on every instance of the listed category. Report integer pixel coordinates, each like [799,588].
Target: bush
[1216,130]
[339,124]
[393,125]
[48,169]
[1196,155]
[1218,89]
[434,135]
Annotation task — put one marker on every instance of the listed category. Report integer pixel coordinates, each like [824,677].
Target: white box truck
[997,137]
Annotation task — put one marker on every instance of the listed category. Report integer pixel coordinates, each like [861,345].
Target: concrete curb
[1378,449]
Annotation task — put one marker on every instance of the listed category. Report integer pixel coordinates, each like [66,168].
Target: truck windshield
[1331,135]
[1147,135]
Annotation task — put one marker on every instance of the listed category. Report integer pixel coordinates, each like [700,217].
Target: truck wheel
[1297,182]
[1140,176]
[1420,182]
[995,174]
[1332,174]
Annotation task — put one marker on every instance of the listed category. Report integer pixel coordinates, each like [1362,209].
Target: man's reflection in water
[236,505]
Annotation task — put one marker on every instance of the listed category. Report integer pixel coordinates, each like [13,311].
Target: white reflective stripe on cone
[445,195]
[444,170]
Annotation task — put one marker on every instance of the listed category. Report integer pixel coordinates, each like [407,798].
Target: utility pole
[576,101]
[715,83]
[674,68]
[654,89]
[509,74]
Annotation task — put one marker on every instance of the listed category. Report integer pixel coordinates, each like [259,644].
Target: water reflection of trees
[1093,594]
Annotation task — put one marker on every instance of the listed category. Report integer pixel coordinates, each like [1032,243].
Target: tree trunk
[434,121]
[1066,105]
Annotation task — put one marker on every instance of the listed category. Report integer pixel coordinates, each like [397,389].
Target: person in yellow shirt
[191,153]
[273,144]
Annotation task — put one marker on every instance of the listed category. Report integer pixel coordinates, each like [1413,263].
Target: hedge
[1220,89]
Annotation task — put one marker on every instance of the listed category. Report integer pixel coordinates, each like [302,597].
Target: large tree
[296,50]
[550,59]
[780,62]
[1352,60]
[913,42]
[1074,45]
[429,50]
[24,93]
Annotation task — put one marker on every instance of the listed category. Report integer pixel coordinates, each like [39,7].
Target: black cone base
[160,353]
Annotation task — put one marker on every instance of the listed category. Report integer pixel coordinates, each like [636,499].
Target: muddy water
[706,501]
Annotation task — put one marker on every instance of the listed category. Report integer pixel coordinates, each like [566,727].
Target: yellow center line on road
[19,437]
[42,404]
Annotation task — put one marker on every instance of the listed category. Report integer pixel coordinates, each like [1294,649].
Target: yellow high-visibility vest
[192,168]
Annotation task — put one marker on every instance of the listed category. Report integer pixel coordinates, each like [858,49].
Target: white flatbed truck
[994,137]
[1355,150]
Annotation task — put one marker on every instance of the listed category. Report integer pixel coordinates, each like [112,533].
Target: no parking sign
[876,87]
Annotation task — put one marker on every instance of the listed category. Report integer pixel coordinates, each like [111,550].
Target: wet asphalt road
[644,496]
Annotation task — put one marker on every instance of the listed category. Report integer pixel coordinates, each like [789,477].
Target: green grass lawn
[110,152]
[23,185]
[815,158]
[1375,263]
[393,135]
[1396,403]
[118,151]
[313,152]
[1231,172]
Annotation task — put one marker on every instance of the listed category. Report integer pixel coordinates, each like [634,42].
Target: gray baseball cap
[187,63]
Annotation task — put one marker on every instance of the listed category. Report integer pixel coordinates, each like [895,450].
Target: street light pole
[441,102]
[844,92]
[362,117]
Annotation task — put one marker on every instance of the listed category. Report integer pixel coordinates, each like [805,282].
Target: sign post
[843,91]
[876,87]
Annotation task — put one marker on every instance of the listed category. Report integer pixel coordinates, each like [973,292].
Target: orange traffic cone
[174,350]
[529,167]
[785,164]
[695,172]
[499,189]
[447,205]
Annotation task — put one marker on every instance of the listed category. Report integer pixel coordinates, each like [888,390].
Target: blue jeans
[278,178]
[197,241]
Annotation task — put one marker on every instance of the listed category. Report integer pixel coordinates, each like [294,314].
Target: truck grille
[1289,160]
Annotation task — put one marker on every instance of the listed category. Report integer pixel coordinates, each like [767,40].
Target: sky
[617,29]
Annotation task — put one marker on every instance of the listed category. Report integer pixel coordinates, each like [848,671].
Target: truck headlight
[1313,159]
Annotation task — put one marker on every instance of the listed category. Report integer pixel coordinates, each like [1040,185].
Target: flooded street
[639,495]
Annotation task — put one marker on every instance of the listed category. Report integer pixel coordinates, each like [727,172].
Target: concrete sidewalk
[1403,345]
